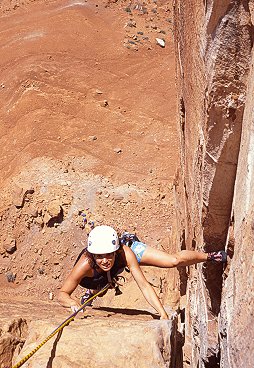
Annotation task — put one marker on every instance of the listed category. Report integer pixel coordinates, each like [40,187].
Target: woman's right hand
[74,308]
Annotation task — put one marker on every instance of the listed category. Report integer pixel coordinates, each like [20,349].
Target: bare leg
[158,258]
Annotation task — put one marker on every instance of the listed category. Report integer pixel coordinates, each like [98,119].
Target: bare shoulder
[82,268]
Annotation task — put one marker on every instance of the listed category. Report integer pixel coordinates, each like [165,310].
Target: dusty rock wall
[12,337]
[214,42]
[236,316]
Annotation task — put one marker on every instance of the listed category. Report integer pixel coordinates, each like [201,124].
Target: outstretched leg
[158,258]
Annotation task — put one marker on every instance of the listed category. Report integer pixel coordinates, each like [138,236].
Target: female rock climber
[106,256]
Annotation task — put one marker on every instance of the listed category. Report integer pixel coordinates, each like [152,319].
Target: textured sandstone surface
[88,123]
[101,335]
[87,126]
[60,144]
[214,42]
[116,343]
[13,333]
[112,337]
[236,321]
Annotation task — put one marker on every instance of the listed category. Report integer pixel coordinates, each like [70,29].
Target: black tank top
[100,279]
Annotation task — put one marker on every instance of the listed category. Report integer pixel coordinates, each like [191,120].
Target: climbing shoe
[217,257]
[88,294]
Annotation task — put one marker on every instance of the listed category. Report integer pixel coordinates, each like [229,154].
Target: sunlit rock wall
[237,309]
[13,333]
[113,343]
[214,42]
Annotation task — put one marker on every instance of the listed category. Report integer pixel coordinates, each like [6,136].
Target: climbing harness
[61,326]
[128,238]
[115,282]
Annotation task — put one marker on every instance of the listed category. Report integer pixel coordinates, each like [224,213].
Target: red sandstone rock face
[12,337]
[214,45]
[106,342]
[87,125]
[62,146]
[236,321]
[106,336]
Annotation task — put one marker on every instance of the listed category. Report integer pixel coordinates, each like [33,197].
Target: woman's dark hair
[89,257]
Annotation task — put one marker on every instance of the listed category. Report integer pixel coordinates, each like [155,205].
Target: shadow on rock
[128,312]
[53,351]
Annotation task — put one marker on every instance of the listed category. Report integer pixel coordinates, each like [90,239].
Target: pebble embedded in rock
[117,150]
[104,103]
[11,277]
[160,42]
[92,138]
[10,245]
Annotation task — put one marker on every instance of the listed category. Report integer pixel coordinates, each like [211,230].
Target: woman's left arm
[146,289]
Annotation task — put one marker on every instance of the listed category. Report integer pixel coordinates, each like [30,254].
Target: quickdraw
[116,284]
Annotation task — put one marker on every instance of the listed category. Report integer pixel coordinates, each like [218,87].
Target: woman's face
[105,261]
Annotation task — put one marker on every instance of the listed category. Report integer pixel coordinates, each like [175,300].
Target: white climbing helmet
[103,239]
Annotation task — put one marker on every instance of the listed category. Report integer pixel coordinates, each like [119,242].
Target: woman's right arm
[78,272]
